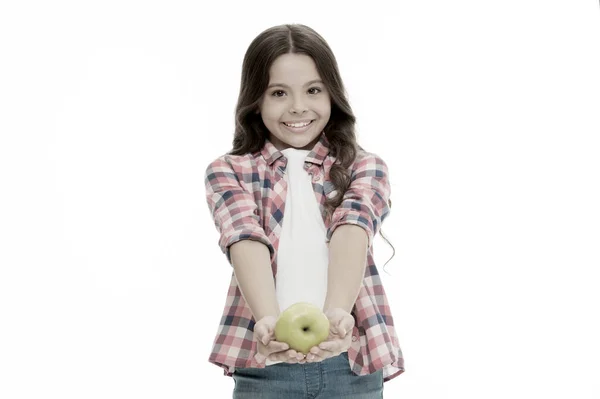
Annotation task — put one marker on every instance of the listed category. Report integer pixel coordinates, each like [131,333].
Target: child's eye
[278,93]
[314,90]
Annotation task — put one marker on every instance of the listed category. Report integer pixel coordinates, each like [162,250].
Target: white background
[112,283]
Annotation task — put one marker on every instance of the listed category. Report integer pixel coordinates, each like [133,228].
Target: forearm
[252,267]
[347,261]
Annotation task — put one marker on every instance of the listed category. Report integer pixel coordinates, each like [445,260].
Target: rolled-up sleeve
[365,203]
[233,209]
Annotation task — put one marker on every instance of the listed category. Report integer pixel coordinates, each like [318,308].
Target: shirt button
[354,338]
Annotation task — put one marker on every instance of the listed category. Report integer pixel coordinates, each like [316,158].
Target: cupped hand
[341,324]
[269,348]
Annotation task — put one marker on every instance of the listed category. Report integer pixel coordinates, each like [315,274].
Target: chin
[301,142]
[303,146]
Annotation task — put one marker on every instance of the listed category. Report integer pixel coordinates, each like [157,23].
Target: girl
[297,203]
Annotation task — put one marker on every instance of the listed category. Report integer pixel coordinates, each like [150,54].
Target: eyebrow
[306,84]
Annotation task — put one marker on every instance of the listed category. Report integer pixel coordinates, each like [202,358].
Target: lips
[297,127]
[298,124]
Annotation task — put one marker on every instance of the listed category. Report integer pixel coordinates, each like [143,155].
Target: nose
[298,107]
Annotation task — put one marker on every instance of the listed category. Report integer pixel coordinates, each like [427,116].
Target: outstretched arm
[347,260]
[355,222]
[252,268]
[242,239]
[250,253]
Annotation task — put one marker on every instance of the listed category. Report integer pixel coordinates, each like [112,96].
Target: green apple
[302,326]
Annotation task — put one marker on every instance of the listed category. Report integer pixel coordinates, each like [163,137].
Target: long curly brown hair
[250,131]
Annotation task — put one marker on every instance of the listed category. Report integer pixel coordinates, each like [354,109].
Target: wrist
[332,305]
[272,312]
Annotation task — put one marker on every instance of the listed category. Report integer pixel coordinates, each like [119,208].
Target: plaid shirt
[246,197]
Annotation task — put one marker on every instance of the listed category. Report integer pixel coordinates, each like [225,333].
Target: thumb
[265,339]
[344,325]
[337,328]
[263,334]
[348,324]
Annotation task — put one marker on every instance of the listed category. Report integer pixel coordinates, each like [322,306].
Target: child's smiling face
[297,96]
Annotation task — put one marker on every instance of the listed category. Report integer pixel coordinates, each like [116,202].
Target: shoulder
[368,162]
[364,155]
[231,163]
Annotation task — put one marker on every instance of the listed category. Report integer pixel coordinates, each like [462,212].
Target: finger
[347,324]
[295,354]
[313,358]
[296,357]
[316,354]
[337,328]
[327,346]
[328,343]
[310,358]
[262,334]
[285,356]
[291,360]
[340,331]
[336,346]
[344,326]
[289,356]
[276,346]
[260,358]
[270,336]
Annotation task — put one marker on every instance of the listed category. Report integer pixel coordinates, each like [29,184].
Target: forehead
[293,68]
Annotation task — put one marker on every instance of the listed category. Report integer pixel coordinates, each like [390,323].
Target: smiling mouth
[298,125]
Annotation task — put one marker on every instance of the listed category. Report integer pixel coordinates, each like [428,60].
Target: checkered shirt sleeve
[365,203]
[233,208]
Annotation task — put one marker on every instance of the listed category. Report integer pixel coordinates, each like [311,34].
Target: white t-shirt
[302,255]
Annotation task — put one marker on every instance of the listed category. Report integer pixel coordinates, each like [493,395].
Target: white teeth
[296,124]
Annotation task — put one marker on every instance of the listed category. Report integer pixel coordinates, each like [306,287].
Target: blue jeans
[329,379]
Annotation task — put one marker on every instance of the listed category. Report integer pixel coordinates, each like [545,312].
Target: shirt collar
[316,155]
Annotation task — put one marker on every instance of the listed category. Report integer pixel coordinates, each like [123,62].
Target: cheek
[325,112]
[325,108]
[272,111]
